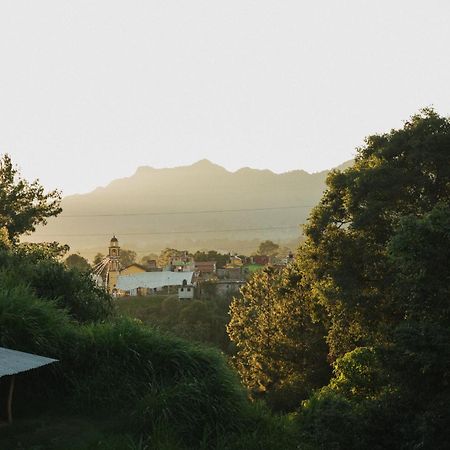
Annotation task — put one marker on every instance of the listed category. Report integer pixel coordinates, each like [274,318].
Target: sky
[90,90]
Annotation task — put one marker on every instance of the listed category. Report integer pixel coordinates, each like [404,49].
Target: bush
[49,279]
[328,421]
[138,373]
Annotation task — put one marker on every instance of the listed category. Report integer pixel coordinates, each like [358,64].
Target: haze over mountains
[201,206]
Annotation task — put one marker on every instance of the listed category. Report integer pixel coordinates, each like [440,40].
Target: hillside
[198,206]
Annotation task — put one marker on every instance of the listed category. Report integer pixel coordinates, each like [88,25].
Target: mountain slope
[197,206]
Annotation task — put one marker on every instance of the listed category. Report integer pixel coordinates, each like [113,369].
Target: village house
[186,292]
[261,260]
[135,279]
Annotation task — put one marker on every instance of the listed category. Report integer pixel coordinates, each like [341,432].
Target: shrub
[148,378]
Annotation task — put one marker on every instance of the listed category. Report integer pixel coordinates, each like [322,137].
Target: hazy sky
[89,90]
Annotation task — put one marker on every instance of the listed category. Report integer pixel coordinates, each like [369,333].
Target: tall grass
[161,388]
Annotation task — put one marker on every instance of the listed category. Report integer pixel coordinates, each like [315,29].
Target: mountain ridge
[198,206]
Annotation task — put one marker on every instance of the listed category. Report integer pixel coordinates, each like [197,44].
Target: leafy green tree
[404,172]
[420,252]
[268,248]
[75,261]
[281,353]
[51,280]
[38,251]
[127,257]
[98,258]
[148,259]
[166,255]
[397,388]
[5,243]
[212,255]
[23,205]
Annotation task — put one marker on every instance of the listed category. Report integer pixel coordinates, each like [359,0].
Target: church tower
[114,264]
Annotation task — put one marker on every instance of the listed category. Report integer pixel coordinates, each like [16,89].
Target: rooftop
[13,361]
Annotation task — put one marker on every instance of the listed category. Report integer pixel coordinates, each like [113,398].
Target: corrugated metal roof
[153,280]
[12,361]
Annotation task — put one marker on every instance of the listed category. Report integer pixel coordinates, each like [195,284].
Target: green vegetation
[268,248]
[23,205]
[202,321]
[351,341]
[149,380]
[221,259]
[373,275]
[281,353]
[52,281]
[75,261]
[118,383]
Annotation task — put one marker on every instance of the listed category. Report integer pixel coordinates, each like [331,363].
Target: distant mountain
[191,207]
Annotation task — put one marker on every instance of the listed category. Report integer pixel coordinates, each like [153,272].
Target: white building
[186,292]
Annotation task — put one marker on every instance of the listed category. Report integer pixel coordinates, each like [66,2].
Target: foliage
[127,257]
[212,255]
[166,256]
[23,205]
[50,279]
[5,243]
[149,260]
[404,172]
[98,258]
[75,261]
[268,248]
[420,252]
[35,252]
[281,353]
[328,421]
[158,381]
[377,258]
[198,320]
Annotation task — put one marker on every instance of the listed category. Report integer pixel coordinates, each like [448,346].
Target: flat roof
[13,361]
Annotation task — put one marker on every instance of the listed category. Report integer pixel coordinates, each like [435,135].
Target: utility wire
[169,232]
[169,213]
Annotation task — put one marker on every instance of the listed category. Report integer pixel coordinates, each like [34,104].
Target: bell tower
[114,263]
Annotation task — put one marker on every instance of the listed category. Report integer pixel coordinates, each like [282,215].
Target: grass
[252,268]
[122,385]
[142,308]
[64,432]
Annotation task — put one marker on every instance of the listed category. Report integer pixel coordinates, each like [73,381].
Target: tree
[5,243]
[23,205]
[127,257]
[166,256]
[51,280]
[149,259]
[212,255]
[401,173]
[420,252]
[281,353]
[75,261]
[37,251]
[268,248]
[98,258]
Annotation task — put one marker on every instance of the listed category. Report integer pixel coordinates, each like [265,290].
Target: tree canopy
[405,172]
[23,205]
[75,261]
[372,278]
[268,248]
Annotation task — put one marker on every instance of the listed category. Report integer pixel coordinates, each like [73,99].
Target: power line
[171,232]
[170,213]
